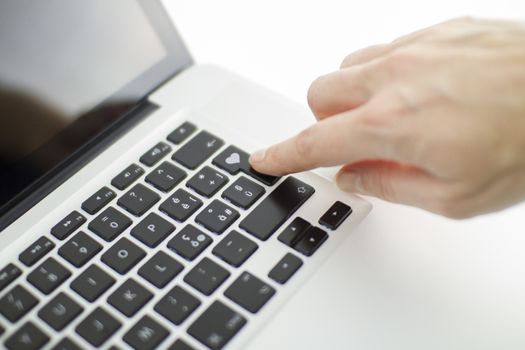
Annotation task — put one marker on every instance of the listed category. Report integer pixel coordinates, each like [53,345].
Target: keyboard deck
[145,255]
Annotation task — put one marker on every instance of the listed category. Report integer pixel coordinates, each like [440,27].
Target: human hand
[435,119]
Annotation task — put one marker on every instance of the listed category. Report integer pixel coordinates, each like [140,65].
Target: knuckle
[313,95]
[348,60]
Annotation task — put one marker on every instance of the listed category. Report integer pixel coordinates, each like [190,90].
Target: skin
[434,119]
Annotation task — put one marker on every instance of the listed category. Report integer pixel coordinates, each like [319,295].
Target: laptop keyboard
[198,253]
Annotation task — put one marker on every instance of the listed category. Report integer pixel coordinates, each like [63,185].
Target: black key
[66,344]
[28,337]
[285,268]
[182,133]
[146,334]
[2,330]
[312,239]
[8,274]
[216,326]
[180,345]
[152,230]
[92,283]
[293,232]
[160,269]
[217,216]
[250,292]
[233,160]
[166,176]
[48,276]
[16,303]
[207,181]
[235,248]
[109,224]
[60,311]
[189,242]
[123,256]
[127,176]
[335,216]
[138,200]
[206,276]
[129,297]
[36,251]
[155,154]
[177,305]
[243,192]
[98,327]
[180,205]
[68,225]
[79,249]
[99,200]
[276,208]
[197,150]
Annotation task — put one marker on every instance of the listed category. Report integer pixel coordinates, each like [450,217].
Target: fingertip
[259,162]
[257,157]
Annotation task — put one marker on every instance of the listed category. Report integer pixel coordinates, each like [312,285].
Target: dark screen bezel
[177,58]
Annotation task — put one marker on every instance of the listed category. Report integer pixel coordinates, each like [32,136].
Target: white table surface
[405,278]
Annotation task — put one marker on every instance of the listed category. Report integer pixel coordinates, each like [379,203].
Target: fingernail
[258,156]
[350,181]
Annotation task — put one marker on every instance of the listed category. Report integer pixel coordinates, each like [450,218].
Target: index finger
[341,139]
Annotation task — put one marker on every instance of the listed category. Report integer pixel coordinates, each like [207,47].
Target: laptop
[130,217]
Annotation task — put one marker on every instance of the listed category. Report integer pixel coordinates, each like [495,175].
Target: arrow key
[335,216]
[312,239]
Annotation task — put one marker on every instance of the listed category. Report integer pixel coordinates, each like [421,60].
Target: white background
[411,279]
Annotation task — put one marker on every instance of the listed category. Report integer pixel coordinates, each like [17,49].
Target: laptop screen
[68,70]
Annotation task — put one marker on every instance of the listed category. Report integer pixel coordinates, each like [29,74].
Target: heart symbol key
[233,158]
